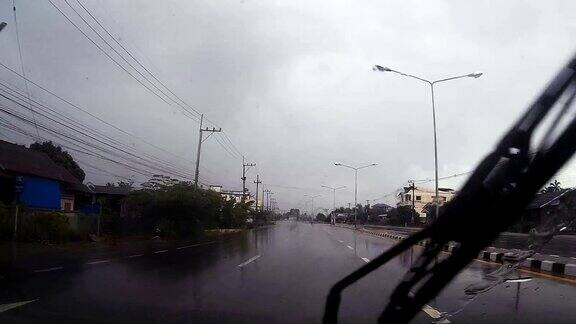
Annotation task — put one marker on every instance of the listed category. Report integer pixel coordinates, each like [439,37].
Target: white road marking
[49,269]
[193,245]
[429,310]
[248,261]
[161,251]
[5,307]
[98,262]
[340,241]
[434,313]
[135,256]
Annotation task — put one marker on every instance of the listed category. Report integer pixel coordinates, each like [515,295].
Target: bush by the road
[45,227]
[175,209]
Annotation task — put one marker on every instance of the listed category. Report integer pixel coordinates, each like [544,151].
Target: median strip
[553,267]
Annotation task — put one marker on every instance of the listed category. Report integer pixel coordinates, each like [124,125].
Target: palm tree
[552,187]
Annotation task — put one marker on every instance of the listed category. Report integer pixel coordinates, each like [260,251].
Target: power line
[227,144]
[89,113]
[6,124]
[134,58]
[83,127]
[124,59]
[20,56]
[106,53]
[137,156]
[145,69]
[68,137]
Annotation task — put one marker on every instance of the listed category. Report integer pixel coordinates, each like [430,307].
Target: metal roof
[18,159]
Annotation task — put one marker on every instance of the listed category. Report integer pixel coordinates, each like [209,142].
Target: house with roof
[33,179]
[542,207]
[113,195]
[421,198]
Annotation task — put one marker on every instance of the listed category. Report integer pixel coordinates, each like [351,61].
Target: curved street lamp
[333,199]
[475,75]
[355,184]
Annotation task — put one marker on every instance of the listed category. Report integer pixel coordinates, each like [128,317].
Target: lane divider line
[193,245]
[98,262]
[351,248]
[160,251]
[134,256]
[245,263]
[5,307]
[366,260]
[49,269]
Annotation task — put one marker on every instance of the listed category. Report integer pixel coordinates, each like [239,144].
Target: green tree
[121,184]
[175,208]
[60,157]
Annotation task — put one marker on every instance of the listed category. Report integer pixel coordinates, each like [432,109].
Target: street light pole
[332,221]
[312,205]
[355,185]
[475,75]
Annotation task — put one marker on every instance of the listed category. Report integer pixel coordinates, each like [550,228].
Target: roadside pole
[257,182]
[16,221]
[98,223]
[200,140]
[244,165]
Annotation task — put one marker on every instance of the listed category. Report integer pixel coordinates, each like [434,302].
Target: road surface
[277,274]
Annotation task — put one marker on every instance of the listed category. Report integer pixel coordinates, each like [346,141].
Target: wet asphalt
[277,274]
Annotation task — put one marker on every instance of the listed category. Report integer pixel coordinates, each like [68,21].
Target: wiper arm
[490,202]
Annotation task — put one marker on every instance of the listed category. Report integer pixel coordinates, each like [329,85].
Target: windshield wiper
[490,202]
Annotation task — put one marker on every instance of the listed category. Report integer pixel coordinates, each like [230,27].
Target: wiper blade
[490,202]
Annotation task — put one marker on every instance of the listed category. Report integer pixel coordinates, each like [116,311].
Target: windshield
[232,161]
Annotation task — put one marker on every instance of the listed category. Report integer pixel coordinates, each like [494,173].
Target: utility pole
[269,200]
[265,196]
[257,182]
[200,140]
[244,165]
[413,197]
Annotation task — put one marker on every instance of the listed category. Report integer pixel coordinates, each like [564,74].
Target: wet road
[278,274]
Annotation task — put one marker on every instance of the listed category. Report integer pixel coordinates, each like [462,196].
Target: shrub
[6,222]
[50,227]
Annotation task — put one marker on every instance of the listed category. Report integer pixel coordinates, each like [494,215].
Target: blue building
[34,179]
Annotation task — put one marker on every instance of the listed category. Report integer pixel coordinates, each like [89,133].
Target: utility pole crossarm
[244,166]
[200,141]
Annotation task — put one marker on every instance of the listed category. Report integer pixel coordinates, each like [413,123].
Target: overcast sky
[290,82]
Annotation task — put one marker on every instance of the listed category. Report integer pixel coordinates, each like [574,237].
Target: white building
[420,197]
[228,195]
